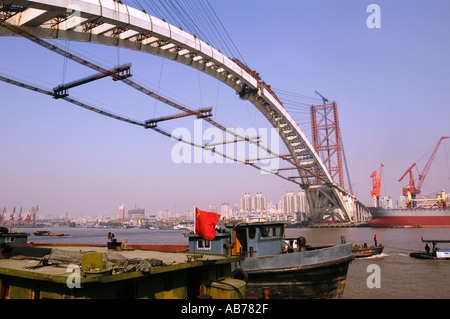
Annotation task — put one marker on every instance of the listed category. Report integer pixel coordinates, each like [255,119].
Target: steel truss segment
[201,113]
[112,23]
[118,73]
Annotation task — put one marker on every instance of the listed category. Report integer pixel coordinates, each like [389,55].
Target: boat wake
[382,255]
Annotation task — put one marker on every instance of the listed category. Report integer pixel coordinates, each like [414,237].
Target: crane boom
[427,167]
[413,190]
[324,99]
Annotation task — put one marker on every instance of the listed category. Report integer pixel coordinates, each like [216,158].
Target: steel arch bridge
[112,23]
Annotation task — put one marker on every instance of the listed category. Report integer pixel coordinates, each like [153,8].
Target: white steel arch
[113,23]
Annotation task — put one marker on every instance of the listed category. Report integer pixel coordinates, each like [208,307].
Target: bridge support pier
[327,202]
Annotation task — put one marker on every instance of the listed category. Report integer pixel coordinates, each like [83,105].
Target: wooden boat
[434,252]
[47,233]
[361,251]
[293,270]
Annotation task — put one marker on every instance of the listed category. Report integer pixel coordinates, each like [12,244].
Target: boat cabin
[250,239]
[7,237]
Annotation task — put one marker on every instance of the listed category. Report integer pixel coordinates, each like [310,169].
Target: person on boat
[375,239]
[427,249]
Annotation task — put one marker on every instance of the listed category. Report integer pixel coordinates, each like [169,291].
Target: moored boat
[14,237]
[77,271]
[294,270]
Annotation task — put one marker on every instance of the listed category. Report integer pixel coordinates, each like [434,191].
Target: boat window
[251,232]
[271,231]
[204,244]
[276,231]
[9,239]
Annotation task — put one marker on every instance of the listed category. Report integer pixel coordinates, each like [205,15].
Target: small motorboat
[433,253]
[363,250]
[360,251]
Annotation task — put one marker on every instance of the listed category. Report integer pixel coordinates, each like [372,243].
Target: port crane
[2,214]
[412,189]
[376,186]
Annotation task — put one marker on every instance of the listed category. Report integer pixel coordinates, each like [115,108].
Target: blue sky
[390,84]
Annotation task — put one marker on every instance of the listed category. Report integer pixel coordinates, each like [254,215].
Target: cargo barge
[41,271]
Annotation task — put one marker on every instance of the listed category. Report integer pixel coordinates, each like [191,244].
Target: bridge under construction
[108,22]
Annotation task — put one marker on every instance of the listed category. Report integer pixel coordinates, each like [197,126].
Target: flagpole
[195,225]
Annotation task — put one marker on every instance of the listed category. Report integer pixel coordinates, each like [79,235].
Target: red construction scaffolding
[327,139]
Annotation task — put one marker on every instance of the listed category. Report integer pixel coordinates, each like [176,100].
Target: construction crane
[324,99]
[412,189]
[376,186]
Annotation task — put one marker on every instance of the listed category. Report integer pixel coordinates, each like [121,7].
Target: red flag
[205,224]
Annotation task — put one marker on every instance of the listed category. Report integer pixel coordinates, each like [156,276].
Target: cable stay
[134,122]
[154,95]
[196,17]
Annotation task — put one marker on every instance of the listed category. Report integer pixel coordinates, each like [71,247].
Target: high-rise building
[226,211]
[301,203]
[122,211]
[260,203]
[294,203]
[401,202]
[250,204]
[288,202]
[386,202]
[136,213]
[246,203]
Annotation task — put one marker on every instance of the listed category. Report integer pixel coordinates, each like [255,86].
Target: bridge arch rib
[112,23]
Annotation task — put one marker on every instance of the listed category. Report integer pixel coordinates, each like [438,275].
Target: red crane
[376,185]
[411,187]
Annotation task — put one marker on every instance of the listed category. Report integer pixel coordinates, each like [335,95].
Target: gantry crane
[412,189]
[376,186]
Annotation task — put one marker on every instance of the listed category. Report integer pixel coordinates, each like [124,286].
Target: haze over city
[390,84]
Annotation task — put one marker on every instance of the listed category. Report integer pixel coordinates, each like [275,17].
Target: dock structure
[94,272]
[336,225]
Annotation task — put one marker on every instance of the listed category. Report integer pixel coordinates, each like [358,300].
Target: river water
[391,275]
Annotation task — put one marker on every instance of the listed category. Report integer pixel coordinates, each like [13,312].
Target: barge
[41,271]
[47,233]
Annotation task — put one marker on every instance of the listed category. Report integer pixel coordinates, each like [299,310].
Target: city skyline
[390,85]
[289,203]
